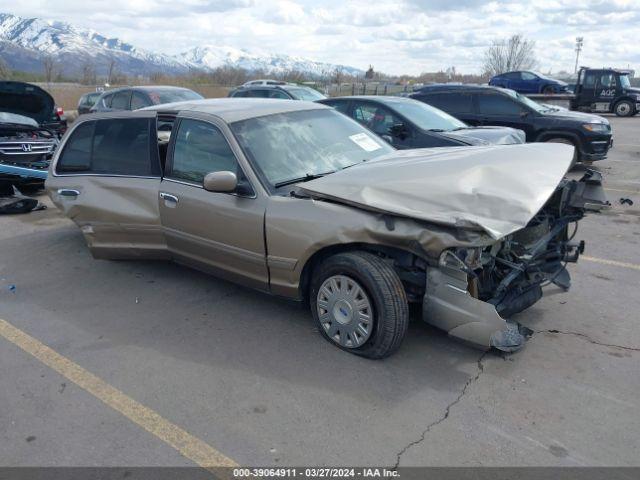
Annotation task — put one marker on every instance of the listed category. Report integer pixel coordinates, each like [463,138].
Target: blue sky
[395,36]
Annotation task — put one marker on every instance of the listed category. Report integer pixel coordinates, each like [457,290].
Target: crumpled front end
[475,291]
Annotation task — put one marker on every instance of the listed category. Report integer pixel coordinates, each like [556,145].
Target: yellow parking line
[189,446]
[633,266]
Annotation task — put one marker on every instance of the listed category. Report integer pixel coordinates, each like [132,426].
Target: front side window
[495,104]
[624,81]
[303,93]
[110,147]
[302,144]
[106,100]
[528,76]
[375,117]
[161,96]
[121,101]
[278,94]
[607,80]
[426,117]
[139,100]
[200,149]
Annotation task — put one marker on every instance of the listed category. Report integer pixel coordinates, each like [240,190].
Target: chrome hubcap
[344,311]
[623,109]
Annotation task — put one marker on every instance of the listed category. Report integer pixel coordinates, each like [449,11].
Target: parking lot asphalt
[249,377]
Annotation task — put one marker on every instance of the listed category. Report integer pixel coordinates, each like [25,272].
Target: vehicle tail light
[59,111]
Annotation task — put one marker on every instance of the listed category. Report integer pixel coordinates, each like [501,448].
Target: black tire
[624,108]
[385,292]
[548,90]
[566,141]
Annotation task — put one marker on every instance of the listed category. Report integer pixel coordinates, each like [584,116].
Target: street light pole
[579,43]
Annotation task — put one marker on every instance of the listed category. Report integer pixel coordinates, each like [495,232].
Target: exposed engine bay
[510,274]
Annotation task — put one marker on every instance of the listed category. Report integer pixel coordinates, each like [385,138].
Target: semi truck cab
[606,90]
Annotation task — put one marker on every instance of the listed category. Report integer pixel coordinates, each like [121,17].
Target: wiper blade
[306,178]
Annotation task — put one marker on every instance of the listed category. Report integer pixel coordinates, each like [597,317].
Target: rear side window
[278,94]
[111,147]
[450,102]
[496,104]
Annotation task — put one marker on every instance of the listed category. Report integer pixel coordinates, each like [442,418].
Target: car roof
[374,98]
[443,87]
[144,88]
[235,109]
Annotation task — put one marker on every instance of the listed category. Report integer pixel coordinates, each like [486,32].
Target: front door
[495,108]
[222,232]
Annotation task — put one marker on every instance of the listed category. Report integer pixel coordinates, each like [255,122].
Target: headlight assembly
[596,127]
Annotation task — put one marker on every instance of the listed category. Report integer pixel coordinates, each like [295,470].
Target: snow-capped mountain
[74,47]
[209,57]
[24,42]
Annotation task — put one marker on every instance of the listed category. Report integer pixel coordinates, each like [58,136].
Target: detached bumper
[448,305]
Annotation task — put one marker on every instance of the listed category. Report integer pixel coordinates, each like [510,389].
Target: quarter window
[110,147]
[200,149]
[490,104]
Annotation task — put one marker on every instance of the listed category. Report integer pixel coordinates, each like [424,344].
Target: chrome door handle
[167,197]
[66,192]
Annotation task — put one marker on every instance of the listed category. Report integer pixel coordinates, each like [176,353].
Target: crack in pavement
[447,411]
[589,339]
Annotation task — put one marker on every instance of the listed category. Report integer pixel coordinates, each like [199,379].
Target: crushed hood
[27,100]
[498,188]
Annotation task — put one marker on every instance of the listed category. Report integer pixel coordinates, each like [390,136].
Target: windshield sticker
[365,142]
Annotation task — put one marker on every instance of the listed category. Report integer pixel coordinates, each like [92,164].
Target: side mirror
[222,182]
[524,113]
[398,130]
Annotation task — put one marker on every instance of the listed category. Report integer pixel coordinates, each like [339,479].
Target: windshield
[427,117]
[302,93]
[169,96]
[624,81]
[527,101]
[292,146]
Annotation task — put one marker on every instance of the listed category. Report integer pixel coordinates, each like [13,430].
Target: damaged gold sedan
[295,199]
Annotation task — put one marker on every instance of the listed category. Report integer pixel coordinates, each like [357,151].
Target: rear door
[106,178]
[222,232]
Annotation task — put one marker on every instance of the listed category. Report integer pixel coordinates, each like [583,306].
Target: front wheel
[548,90]
[359,304]
[624,108]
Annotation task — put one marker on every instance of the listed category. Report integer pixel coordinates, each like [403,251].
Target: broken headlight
[465,259]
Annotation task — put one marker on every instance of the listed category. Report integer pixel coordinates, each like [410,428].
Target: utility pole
[579,43]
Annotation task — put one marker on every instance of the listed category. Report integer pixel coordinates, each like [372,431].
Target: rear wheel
[624,108]
[359,304]
[566,141]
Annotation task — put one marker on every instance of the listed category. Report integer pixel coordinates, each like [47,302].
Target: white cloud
[399,36]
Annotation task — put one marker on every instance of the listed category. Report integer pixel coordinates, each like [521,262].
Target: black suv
[133,98]
[283,92]
[482,105]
